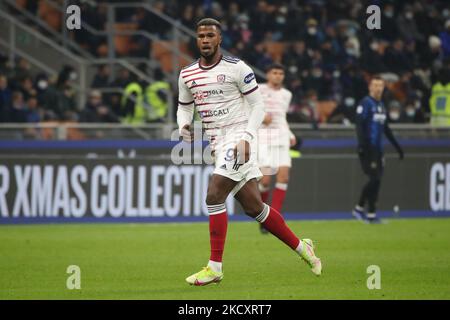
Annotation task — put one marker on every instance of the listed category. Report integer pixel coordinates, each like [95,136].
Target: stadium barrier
[135,180]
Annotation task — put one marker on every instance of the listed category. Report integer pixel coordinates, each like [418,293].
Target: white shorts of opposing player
[273,157]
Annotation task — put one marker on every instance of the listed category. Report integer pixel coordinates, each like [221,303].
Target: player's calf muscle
[283,175]
[250,199]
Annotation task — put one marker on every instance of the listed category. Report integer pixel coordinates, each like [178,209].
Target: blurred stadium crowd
[327,50]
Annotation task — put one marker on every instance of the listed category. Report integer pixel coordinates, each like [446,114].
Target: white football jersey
[277,103]
[217,93]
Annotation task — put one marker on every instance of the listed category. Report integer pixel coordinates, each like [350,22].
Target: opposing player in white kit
[275,138]
[224,92]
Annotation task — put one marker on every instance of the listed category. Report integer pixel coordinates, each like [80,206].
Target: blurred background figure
[96,110]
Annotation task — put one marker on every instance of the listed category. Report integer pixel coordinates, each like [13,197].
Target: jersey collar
[211,66]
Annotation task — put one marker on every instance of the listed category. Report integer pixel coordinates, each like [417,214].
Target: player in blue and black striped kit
[371,124]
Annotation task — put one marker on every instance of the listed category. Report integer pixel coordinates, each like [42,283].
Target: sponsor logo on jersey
[379,117]
[200,96]
[221,78]
[248,78]
[359,109]
[213,113]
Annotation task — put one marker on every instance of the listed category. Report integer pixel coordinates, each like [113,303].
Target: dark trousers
[372,163]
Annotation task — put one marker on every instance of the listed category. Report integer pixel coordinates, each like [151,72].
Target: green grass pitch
[151,261]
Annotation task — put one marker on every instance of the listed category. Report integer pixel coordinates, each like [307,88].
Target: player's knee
[213,198]
[254,209]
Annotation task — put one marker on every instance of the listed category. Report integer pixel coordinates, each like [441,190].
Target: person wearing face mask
[313,37]
[46,96]
[395,111]
[389,30]
[371,124]
[407,25]
[409,115]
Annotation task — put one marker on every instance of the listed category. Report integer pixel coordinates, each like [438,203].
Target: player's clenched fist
[242,151]
[186,134]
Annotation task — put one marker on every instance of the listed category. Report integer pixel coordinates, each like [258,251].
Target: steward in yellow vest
[157,97]
[132,104]
[440,102]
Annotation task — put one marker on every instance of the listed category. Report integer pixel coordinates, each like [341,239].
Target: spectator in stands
[18,111]
[297,55]
[394,111]
[187,17]
[153,23]
[413,113]
[258,56]
[373,58]
[315,82]
[4,67]
[27,87]
[122,80]
[262,20]
[5,97]
[59,100]
[94,17]
[325,35]
[280,23]
[313,35]
[353,83]
[307,112]
[389,31]
[330,47]
[344,112]
[32,110]
[407,26]
[445,39]
[22,69]
[51,103]
[433,55]
[96,110]
[396,58]
[101,78]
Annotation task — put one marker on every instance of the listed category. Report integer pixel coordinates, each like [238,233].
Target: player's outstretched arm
[390,135]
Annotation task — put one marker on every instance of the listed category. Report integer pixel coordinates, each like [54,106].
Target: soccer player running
[371,123]
[275,138]
[217,87]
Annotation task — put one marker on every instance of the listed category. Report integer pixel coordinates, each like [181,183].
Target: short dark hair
[376,77]
[275,66]
[209,22]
